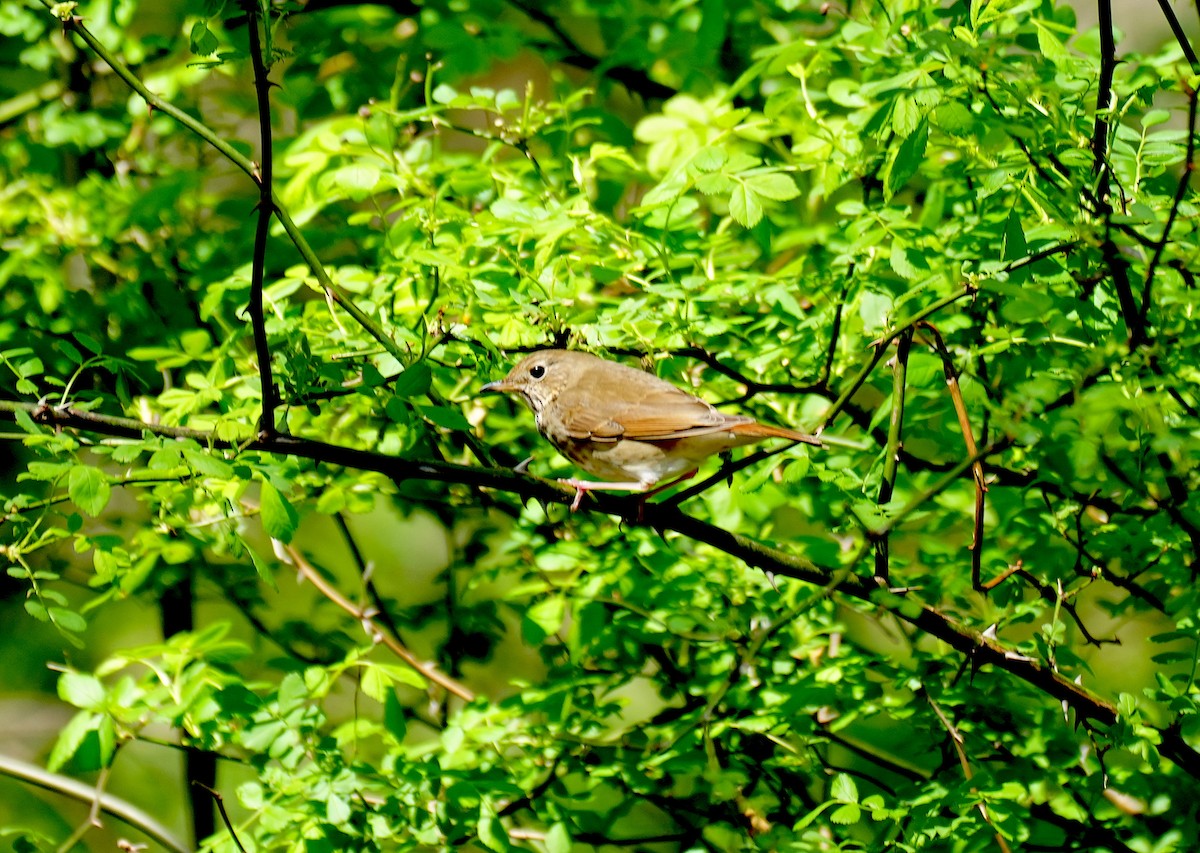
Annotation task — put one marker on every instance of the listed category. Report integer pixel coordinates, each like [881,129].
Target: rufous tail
[768,431]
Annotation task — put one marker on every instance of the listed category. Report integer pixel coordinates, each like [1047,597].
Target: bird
[633,430]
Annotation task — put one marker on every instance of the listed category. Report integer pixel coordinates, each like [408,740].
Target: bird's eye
[537,371]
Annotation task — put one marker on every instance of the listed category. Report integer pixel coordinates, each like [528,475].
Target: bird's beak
[499,387]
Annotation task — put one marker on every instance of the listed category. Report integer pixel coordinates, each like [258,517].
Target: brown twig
[964,423]
[366,618]
[122,810]
[956,740]
[220,801]
[880,346]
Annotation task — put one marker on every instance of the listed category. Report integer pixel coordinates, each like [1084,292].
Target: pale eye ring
[537,371]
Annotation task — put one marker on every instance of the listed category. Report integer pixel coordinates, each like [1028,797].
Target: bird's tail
[758,430]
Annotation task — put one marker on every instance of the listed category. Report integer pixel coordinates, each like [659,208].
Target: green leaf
[279,517]
[543,619]
[337,810]
[89,489]
[777,186]
[446,418]
[207,463]
[709,158]
[846,814]
[70,739]
[202,41]
[1050,45]
[843,789]
[744,206]
[906,115]
[906,159]
[414,381]
[261,567]
[81,690]
[492,834]
[558,839]
[954,118]
[67,620]
[715,184]
[1013,244]
[379,678]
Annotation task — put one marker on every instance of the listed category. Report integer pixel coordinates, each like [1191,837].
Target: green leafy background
[815,216]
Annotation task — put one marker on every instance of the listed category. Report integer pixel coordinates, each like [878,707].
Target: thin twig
[956,740]
[220,801]
[835,331]
[364,572]
[964,423]
[1185,180]
[1180,35]
[891,451]
[366,618]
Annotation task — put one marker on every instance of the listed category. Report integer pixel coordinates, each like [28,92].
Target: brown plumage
[628,427]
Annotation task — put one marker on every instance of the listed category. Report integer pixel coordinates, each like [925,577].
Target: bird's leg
[641,516]
[648,489]
[582,486]
[664,486]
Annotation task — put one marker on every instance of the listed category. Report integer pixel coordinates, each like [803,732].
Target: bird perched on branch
[636,432]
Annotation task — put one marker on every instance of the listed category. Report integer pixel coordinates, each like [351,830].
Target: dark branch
[982,650]
[266,209]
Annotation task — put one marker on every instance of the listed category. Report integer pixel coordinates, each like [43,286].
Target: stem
[266,207]
[964,423]
[891,457]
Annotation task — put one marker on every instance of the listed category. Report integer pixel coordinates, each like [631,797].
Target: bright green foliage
[819,218]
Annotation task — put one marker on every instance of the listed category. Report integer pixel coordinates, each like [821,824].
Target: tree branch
[266,208]
[980,648]
[128,814]
[1180,35]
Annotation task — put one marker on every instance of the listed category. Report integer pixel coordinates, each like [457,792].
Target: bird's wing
[643,407]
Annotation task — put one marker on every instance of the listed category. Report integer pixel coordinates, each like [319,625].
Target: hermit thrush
[628,427]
